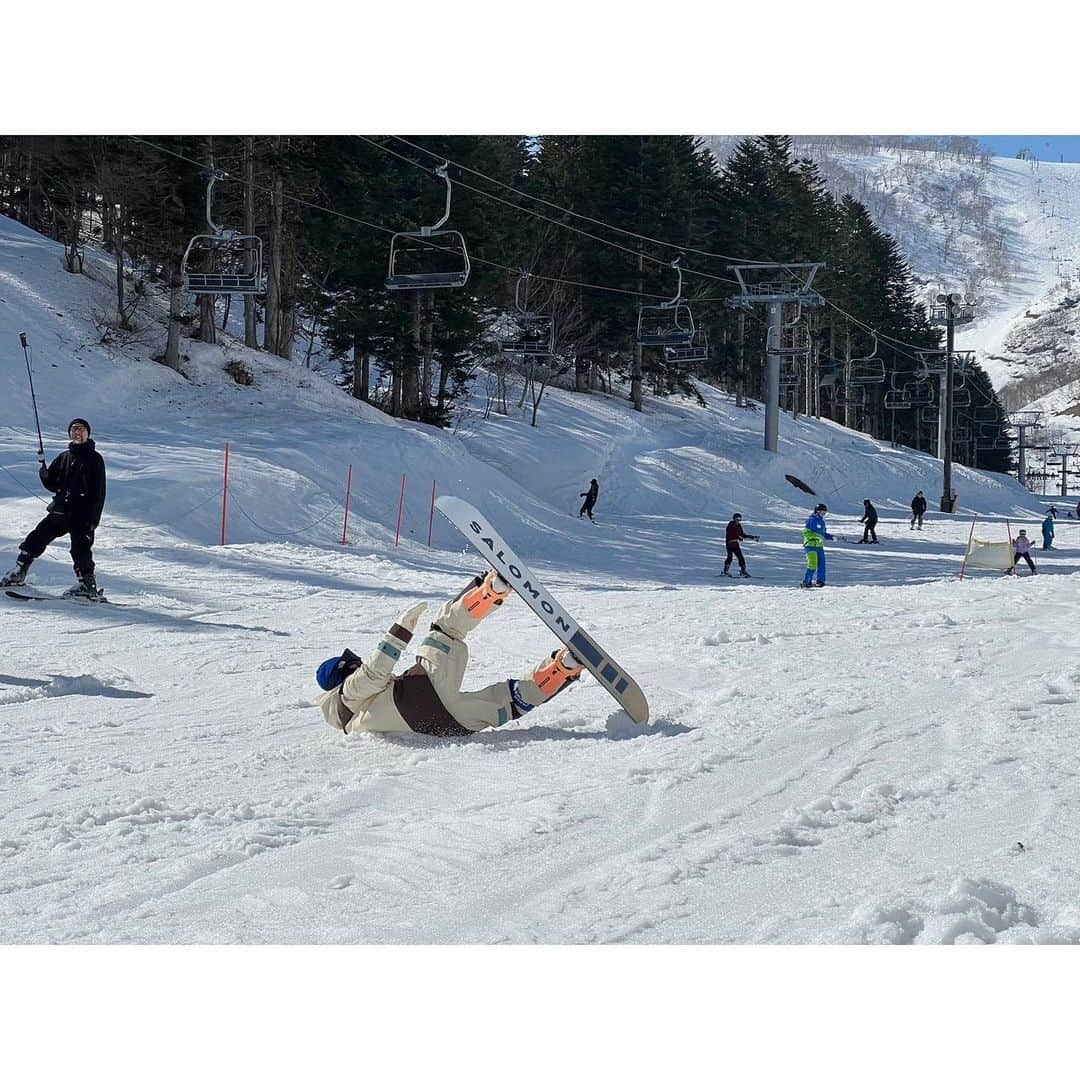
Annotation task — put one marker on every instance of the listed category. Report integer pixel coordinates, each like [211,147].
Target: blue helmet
[334,671]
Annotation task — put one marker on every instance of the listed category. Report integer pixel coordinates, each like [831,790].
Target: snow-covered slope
[1000,229]
[854,764]
[1003,232]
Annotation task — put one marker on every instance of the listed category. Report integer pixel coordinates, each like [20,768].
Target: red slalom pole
[401,507]
[225,495]
[431,519]
[348,492]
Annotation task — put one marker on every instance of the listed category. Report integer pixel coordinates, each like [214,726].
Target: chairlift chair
[867,370]
[851,395]
[669,323]
[931,361]
[921,393]
[792,340]
[533,334]
[963,310]
[221,262]
[791,371]
[695,351]
[430,258]
[897,399]
[831,372]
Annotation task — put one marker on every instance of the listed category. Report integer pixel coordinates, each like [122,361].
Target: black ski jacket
[918,504]
[77,478]
[869,516]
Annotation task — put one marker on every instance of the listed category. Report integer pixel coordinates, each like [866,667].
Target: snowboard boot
[16,576]
[726,573]
[806,584]
[819,584]
[743,573]
[483,594]
[556,673]
[85,590]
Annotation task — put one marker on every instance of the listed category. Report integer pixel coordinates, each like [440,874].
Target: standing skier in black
[77,479]
[918,508]
[734,535]
[870,517]
[590,499]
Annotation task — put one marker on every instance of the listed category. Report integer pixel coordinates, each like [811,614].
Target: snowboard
[608,672]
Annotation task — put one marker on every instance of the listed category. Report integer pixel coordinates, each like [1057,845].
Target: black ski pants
[1026,557]
[734,551]
[868,534]
[586,508]
[53,526]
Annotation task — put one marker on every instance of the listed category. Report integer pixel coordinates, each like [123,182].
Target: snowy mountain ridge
[1002,230]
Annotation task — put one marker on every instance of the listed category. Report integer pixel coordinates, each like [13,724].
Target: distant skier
[1022,546]
[77,479]
[1053,512]
[734,535]
[590,499]
[428,699]
[1048,532]
[870,517]
[813,536]
[918,508]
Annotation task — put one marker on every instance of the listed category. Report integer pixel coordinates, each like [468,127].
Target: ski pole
[30,375]
[348,493]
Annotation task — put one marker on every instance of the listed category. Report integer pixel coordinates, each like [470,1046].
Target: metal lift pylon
[785,283]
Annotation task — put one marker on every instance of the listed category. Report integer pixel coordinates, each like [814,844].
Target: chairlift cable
[553,221]
[613,228]
[539,277]
[385,229]
[624,232]
[583,217]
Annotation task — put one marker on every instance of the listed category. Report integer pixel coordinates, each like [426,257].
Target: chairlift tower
[951,308]
[1068,450]
[781,283]
[1024,422]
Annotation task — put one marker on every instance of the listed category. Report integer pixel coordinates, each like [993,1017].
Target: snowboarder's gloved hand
[43,472]
[406,623]
[388,652]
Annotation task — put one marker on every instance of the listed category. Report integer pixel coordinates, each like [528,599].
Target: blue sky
[1044,147]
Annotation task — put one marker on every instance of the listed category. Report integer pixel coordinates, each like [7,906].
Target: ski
[101,599]
[611,676]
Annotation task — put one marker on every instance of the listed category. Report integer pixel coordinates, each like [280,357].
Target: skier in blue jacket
[814,535]
[1048,532]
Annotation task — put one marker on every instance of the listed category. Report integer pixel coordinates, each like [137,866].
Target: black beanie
[80,420]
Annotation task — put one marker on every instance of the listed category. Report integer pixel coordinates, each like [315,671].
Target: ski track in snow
[858,764]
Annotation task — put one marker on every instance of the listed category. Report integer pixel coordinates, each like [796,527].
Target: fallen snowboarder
[428,699]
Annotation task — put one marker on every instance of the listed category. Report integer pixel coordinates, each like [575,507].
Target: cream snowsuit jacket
[374,698]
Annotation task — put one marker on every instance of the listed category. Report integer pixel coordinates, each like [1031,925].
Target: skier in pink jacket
[1022,546]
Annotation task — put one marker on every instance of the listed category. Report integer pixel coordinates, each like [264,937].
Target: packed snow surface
[892,758]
